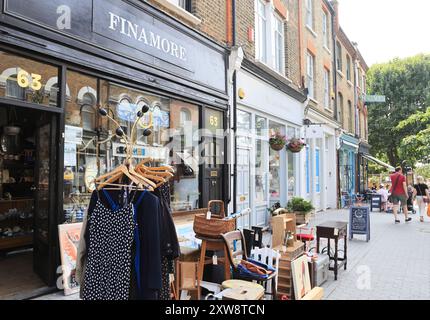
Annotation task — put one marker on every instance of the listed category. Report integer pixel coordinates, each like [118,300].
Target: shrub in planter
[301,208]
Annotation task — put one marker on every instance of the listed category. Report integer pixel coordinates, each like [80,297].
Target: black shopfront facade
[65,58]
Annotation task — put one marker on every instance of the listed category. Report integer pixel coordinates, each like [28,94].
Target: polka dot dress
[107,275]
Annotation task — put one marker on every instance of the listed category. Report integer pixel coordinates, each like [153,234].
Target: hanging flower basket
[277,141]
[296,145]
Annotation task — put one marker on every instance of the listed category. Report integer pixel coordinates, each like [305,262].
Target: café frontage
[60,61]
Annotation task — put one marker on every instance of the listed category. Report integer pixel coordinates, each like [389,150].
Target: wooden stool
[213,245]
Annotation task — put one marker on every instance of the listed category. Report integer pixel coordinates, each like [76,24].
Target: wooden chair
[271,258]
[236,254]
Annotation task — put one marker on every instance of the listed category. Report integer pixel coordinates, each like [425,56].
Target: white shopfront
[319,162]
[264,176]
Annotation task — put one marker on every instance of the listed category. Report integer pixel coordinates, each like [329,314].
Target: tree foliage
[406,85]
[417,144]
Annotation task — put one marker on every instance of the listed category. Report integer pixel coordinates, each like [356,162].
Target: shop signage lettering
[150,38]
[25,80]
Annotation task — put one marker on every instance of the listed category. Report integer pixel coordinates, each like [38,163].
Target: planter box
[303,218]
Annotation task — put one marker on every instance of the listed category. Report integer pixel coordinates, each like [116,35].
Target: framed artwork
[300,276]
[69,235]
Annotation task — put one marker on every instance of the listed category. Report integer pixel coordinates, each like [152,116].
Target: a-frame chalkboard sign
[359,221]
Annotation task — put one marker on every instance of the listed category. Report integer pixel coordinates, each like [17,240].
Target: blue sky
[385,29]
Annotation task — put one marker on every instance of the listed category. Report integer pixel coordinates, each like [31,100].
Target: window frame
[261,33]
[325,30]
[327,89]
[348,67]
[310,14]
[310,76]
[278,31]
[339,60]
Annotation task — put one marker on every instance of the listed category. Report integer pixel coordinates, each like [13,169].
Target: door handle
[33,188]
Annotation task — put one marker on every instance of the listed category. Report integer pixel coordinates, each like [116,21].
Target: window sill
[180,12]
[340,73]
[350,83]
[328,109]
[327,49]
[265,65]
[311,31]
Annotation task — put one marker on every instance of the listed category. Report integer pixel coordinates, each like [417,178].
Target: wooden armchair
[236,254]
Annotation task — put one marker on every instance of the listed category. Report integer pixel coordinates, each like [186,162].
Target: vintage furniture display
[215,245]
[271,258]
[186,280]
[319,269]
[236,252]
[288,254]
[302,282]
[281,225]
[334,230]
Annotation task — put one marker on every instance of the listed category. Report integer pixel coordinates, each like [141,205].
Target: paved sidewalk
[394,264]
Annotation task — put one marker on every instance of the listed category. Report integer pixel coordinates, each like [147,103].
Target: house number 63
[26,80]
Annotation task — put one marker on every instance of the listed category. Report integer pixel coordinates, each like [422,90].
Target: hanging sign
[359,222]
[316,132]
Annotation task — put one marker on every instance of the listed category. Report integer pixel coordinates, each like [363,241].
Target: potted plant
[277,141]
[296,145]
[301,208]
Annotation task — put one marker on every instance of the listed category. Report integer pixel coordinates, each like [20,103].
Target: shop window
[53,94]
[291,165]
[25,79]
[307,169]
[276,170]
[13,90]
[260,126]
[317,170]
[260,171]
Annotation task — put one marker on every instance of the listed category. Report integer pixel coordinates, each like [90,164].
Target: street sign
[375,99]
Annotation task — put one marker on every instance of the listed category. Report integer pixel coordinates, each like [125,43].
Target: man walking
[399,193]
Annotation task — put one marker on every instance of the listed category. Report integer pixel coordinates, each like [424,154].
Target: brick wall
[213,14]
[245,20]
[292,44]
[313,41]
[345,87]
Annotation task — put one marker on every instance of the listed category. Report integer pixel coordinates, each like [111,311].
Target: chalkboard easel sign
[359,222]
[375,202]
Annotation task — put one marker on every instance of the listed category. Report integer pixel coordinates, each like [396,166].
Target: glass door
[45,223]
[243,195]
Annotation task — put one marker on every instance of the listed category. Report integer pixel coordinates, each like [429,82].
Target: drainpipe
[234,128]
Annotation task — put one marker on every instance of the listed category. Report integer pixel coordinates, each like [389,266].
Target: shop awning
[377,161]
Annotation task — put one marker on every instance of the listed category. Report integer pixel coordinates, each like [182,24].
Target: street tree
[406,85]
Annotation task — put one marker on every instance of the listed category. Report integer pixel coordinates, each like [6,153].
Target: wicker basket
[212,228]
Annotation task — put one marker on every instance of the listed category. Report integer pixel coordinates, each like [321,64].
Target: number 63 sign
[27,80]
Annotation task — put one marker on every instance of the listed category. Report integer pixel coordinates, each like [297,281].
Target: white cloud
[385,29]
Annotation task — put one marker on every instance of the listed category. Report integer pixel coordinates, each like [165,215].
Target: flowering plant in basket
[277,141]
[296,145]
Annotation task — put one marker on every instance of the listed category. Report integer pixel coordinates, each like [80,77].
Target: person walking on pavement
[423,196]
[399,193]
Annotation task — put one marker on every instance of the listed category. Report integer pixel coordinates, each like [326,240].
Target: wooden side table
[334,230]
[213,245]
